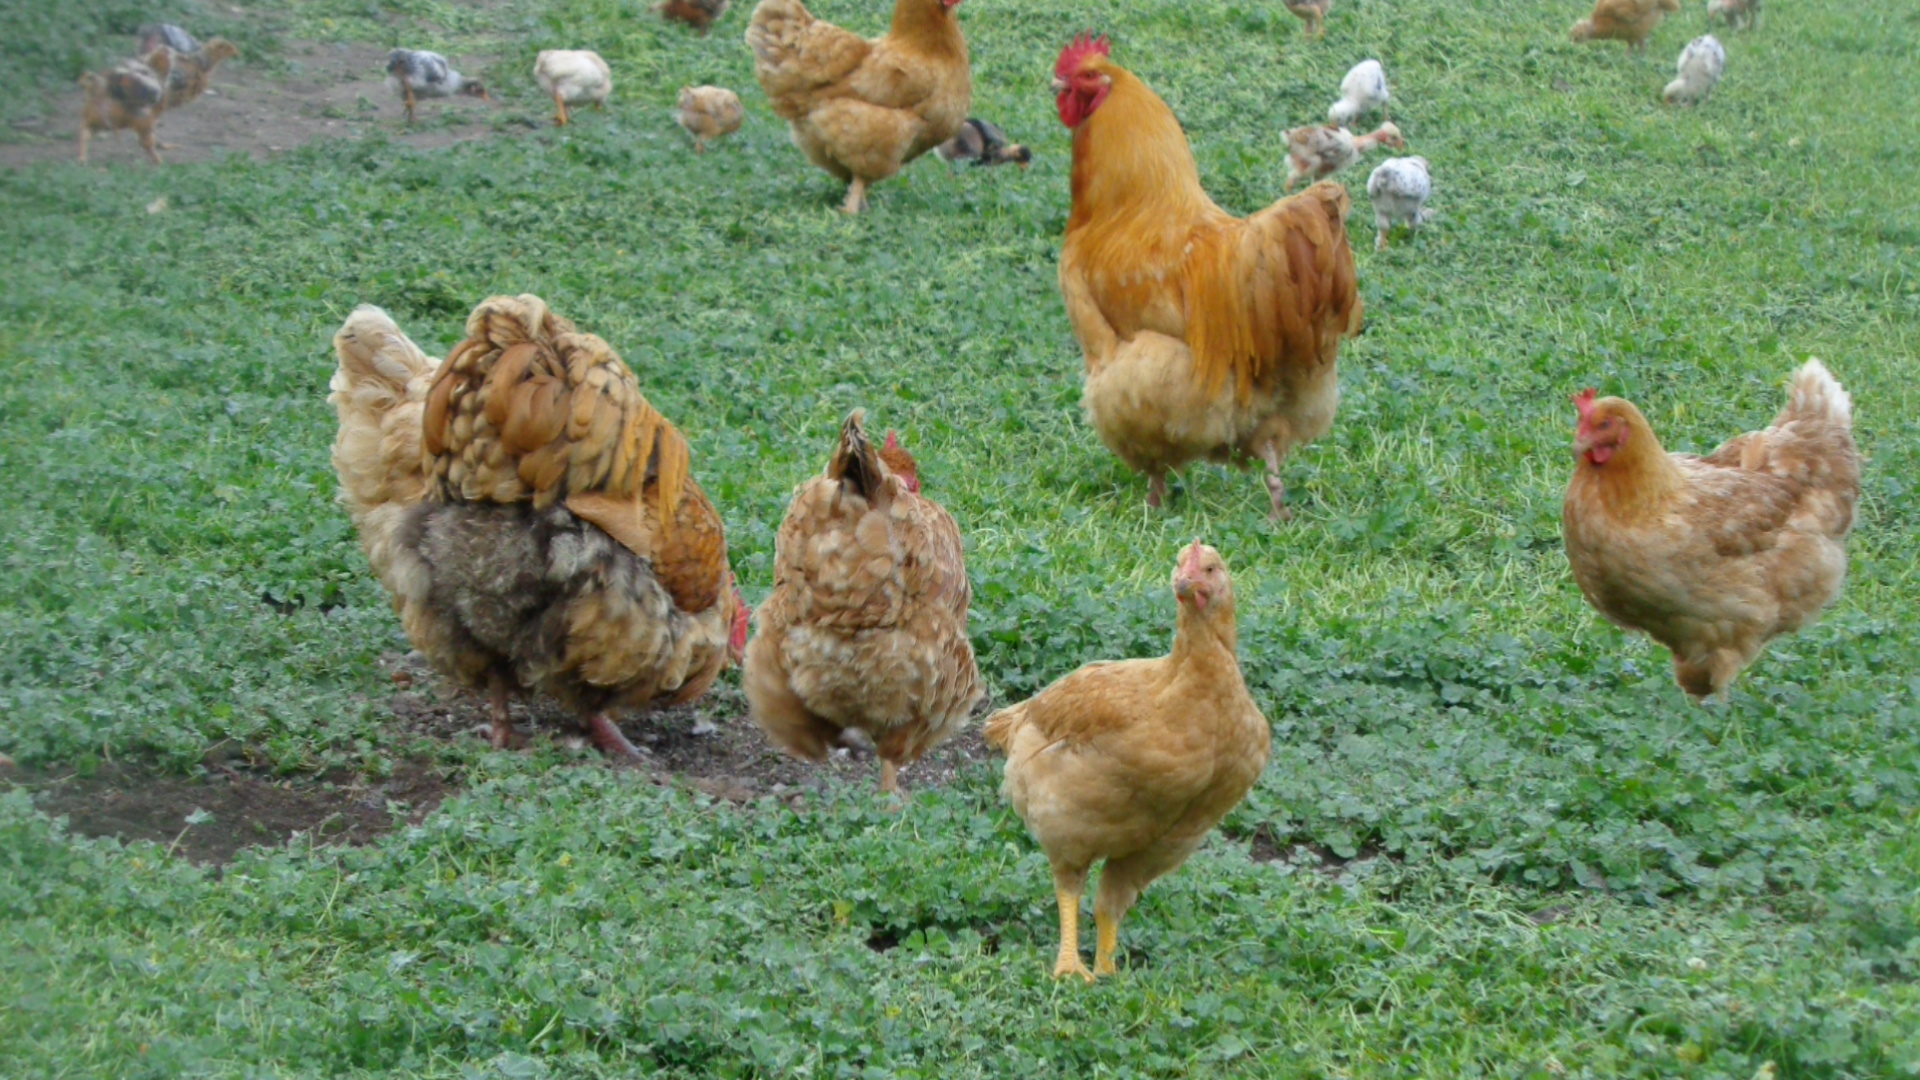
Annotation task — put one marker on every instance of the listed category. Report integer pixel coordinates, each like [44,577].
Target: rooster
[862,109]
[1205,335]
[1714,556]
[867,624]
[533,518]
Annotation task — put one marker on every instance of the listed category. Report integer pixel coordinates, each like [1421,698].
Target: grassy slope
[1439,692]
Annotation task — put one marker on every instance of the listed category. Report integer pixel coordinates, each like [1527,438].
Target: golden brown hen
[1135,761]
[533,516]
[1205,335]
[1714,556]
[1631,21]
[866,627]
[861,109]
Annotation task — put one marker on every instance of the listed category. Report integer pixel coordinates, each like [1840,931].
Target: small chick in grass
[1739,14]
[1362,91]
[1700,66]
[1631,21]
[981,143]
[1313,13]
[192,71]
[1399,189]
[132,95]
[1315,153]
[154,35]
[708,112]
[573,76]
[418,73]
[699,14]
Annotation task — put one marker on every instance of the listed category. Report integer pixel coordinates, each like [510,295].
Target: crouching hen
[1714,556]
[533,517]
[1205,335]
[867,624]
[1135,761]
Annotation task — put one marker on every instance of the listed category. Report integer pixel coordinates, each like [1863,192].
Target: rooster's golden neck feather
[1132,166]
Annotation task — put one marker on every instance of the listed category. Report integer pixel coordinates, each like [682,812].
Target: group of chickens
[538,526]
[1701,62]
[170,68]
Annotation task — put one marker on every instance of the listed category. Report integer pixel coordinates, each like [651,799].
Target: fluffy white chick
[1363,90]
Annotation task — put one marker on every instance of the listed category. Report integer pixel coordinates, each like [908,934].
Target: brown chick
[866,627]
[1135,761]
[534,519]
[1631,21]
[1313,13]
[708,112]
[132,95]
[1714,556]
[192,72]
[699,14]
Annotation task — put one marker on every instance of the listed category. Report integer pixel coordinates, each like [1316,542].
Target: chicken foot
[1276,487]
[606,736]
[1069,886]
[889,777]
[1106,929]
[1157,488]
[406,86]
[502,734]
[856,196]
[560,119]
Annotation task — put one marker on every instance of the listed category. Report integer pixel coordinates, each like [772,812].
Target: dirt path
[332,90]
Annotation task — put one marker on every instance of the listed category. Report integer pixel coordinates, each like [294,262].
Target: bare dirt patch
[710,745]
[328,90]
[240,809]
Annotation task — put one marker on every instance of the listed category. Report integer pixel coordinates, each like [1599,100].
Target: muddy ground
[709,747]
[328,90]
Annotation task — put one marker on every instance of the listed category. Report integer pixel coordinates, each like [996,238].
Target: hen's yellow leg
[560,103]
[1069,961]
[1106,940]
[889,777]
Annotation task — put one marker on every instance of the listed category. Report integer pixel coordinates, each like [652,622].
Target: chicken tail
[856,464]
[1000,727]
[1814,394]
[378,390]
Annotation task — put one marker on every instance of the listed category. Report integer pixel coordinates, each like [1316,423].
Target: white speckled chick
[1701,63]
[1399,189]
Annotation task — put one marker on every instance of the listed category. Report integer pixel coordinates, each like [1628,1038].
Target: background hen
[861,109]
[1205,335]
[1714,556]
[533,517]
[867,624]
[1135,761]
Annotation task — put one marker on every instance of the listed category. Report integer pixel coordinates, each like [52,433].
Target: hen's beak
[1059,85]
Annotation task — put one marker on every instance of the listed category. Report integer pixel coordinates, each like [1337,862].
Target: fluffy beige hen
[862,109]
[867,624]
[1631,21]
[1714,556]
[573,76]
[1135,761]
[533,518]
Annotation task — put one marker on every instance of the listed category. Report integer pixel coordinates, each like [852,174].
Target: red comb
[893,440]
[1076,54]
[1583,401]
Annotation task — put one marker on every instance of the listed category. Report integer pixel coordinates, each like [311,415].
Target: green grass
[1442,699]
